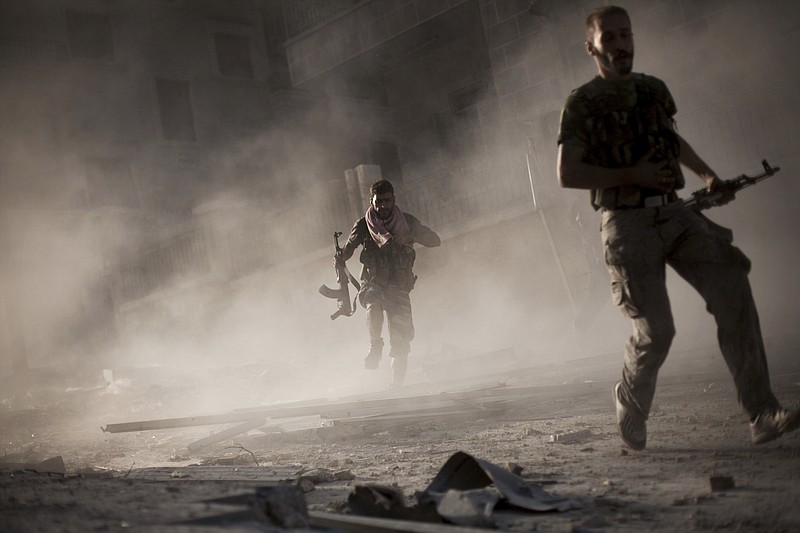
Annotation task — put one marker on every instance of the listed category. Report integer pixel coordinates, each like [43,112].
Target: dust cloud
[266,336]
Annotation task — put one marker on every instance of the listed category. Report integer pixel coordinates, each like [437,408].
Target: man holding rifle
[617,139]
[387,235]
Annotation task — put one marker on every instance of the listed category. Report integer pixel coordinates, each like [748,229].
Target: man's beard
[622,65]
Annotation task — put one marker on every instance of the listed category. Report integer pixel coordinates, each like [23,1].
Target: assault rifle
[702,199]
[343,279]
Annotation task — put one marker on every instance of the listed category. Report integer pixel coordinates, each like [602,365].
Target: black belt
[658,200]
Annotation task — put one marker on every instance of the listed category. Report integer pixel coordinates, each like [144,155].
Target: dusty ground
[149,480]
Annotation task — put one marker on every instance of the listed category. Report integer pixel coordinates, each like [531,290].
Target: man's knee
[653,337]
[661,341]
[370,296]
[400,350]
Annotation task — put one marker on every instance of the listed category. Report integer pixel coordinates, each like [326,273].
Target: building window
[89,35]
[109,183]
[233,55]
[467,97]
[175,109]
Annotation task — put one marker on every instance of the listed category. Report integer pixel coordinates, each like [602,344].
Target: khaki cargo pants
[396,303]
[638,244]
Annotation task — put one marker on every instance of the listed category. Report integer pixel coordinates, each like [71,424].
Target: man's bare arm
[353,241]
[695,163]
[428,237]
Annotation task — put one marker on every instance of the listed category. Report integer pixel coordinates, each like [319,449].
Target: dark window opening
[468,96]
[89,35]
[233,55]
[175,109]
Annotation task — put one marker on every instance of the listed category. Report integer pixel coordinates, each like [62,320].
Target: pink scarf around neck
[383,230]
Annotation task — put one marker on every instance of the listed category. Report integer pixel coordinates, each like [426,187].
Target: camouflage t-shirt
[616,123]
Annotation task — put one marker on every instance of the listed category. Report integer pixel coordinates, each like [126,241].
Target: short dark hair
[599,13]
[381,187]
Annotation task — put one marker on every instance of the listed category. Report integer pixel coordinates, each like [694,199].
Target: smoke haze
[260,197]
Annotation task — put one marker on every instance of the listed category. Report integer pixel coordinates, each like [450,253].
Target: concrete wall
[355,31]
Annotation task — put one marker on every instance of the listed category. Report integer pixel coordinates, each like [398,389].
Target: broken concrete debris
[464,472]
[571,438]
[306,485]
[53,465]
[383,501]
[466,493]
[514,468]
[323,475]
[720,483]
[284,506]
[472,508]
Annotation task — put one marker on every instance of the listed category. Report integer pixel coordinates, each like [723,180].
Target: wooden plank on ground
[476,398]
[281,411]
[227,434]
[367,524]
[272,474]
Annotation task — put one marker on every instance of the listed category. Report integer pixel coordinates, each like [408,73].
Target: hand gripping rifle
[343,279]
[702,199]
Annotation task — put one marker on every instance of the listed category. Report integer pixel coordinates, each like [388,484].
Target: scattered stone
[570,438]
[383,501]
[318,475]
[284,506]
[469,508]
[343,475]
[305,484]
[721,483]
[514,468]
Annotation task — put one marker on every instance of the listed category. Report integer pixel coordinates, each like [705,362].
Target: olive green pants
[638,245]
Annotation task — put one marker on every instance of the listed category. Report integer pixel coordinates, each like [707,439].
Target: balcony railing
[182,257]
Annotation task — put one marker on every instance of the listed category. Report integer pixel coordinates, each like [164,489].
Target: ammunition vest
[391,265]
